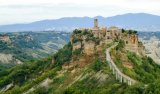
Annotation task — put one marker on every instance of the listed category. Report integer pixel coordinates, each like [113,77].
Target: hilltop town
[98,60]
[92,38]
[92,41]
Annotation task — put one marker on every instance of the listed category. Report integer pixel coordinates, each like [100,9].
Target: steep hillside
[80,67]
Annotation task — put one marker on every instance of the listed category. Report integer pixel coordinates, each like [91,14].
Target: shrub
[135,32]
[120,45]
[21,73]
[40,90]
[97,65]
[130,32]
[77,31]
[85,32]
[123,30]
[77,51]
[63,55]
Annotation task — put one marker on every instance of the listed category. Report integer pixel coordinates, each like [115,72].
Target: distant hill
[17,48]
[137,21]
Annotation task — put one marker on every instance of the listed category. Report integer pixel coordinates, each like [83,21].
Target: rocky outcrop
[84,40]
[89,48]
[6,58]
[5,38]
[77,45]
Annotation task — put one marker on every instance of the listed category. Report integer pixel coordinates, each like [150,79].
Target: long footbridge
[118,74]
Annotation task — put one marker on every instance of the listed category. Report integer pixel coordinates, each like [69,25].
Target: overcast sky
[22,11]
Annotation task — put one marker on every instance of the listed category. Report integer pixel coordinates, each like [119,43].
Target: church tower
[95,23]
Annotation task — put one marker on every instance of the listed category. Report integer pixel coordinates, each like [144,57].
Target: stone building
[106,35]
[114,33]
[99,32]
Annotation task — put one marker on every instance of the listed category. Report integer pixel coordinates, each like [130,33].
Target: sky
[25,11]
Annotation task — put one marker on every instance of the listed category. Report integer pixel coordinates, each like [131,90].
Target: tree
[135,32]
[123,30]
[77,51]
[120,45]
[130,32]
[97,65]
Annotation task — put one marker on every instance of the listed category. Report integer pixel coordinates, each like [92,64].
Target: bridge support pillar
[121,79]
[129,82]
[113,70]
[116,75]
[124,80]
[110,66]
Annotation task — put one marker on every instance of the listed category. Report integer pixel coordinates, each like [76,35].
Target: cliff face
[89,47]
[90,40]
[85,41]
[77,45]
[132,43]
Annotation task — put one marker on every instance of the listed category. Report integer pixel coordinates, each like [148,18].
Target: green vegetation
[121,45]
[96,40]
[97,77]
[77,51]
[77,31]
[5,66]
[129,31]
[26,76]
[77,36]
[82,32]
[93,78]
[40,90]
[26,46]
[97,66]
[17,52]
[21,73]
[109,45]
[90,84]
[63,55]
[144,68]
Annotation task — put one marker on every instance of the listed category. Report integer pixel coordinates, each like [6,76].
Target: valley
[22,47]
[151,41]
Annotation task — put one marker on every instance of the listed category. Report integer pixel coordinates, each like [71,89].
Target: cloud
[16,11]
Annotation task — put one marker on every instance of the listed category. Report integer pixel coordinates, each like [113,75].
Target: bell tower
[95,23]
